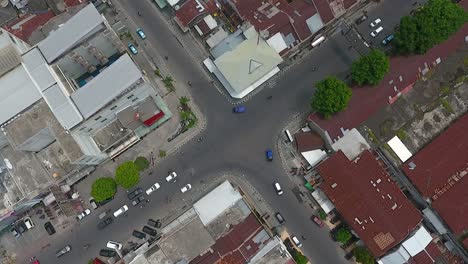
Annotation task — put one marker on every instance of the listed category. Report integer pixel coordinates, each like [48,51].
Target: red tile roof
[277,16]
[324,10]
[465,243]
[25,26]
[430,253]
[367,100]
[371,203]
[192,9]
[203,27]
[441,174]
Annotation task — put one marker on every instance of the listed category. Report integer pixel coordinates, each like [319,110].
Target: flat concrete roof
[70,33]
[103,88]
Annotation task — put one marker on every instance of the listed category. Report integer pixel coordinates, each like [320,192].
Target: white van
[376,32]
[28,222]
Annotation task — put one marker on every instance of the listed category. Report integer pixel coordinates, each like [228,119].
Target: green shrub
[299,258]
[363,255]
[103,188]
[142,163]
[127,175]
[343,235]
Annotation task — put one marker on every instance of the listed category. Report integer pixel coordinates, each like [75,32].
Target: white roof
[277,42]
[352,144]
[417,242]
[62,107]
[103,88]
[216,202]
[38,69]
[210,22]
[397,257]
[69,34]
[323,201]
[399,148]
[314,156]
[172,2]
[17,92]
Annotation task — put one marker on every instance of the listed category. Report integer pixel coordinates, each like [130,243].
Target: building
[188,13]
[71,102]
[439,173]
[369,201]
[243,61]
[219,228]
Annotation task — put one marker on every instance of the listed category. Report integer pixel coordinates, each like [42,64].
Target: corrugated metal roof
[17,92]
[62,107]
[99,91]
[441,174]
[70,33]
[371,203]
[38,69]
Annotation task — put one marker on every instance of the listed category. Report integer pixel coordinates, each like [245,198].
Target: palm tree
[184,100]
[168,81]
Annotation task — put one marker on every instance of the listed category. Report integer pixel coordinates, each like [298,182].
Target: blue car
[132,48]
[269,154]
[239,109]
[141,33]
[387,39]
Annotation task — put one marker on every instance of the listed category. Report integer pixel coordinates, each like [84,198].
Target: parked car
[269,154]
[101,203]
[388,39]
[238,109]
[49,228]
[121,210]
[107,253]
[14,232]
[171,176]
[63,251]
[278,189]
[83,214]
[375,22]
[28,223]
[361,19]
[153,188]
[114,245]
[154,223]
[105,223]
[280,218]
[21,227]
[376,32]
[317,220]
[150,231]
[132,48]
[134,193]
[141,33]
[138,234]
[93,204]
[296,241]
[186,188]
[138,200]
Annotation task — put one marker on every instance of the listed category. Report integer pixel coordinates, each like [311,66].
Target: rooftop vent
[412,166]
[334,185]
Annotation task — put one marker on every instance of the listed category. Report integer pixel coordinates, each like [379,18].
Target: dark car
[101,203]
[238,109]
[361,19]
[138,200]
[21,227]
[105,223]
[135,193]
[154,223]
[387,39]
[150,231]
[107,253]
[139,234]
[49,228]
[15,232]
[269,154]
[280,218]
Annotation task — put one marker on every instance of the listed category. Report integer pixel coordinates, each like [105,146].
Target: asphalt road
[231,142]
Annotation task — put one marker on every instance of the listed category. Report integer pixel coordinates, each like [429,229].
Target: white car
[296,241]
[153,188]
[186,188]
[375,22]
[121,210]
[83,214]
[376,32]
[171,176]
[278,189]
[28,222]
[114,245]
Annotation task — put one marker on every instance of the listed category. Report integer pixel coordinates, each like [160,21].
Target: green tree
[168,82]
[343,235]
[103,188]
[331,96]
[162,153]
[142,163]
[363,255]
[432,24]
[127,174]
[371,68]
[322,214]
[299,258]
[184,100]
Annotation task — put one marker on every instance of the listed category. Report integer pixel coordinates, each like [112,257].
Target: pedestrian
[189,83]
[139,14]
[166,57]
[269,97]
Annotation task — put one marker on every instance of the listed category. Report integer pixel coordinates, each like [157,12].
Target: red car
[317,220]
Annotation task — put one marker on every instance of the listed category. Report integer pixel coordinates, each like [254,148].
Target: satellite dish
[8,164]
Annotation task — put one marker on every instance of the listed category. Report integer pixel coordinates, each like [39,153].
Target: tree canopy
[371,68]
[363,255]
[127,174]
[331,96]
[142,163]
[343,235]
[432,24]
[103,188]
[299,258]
